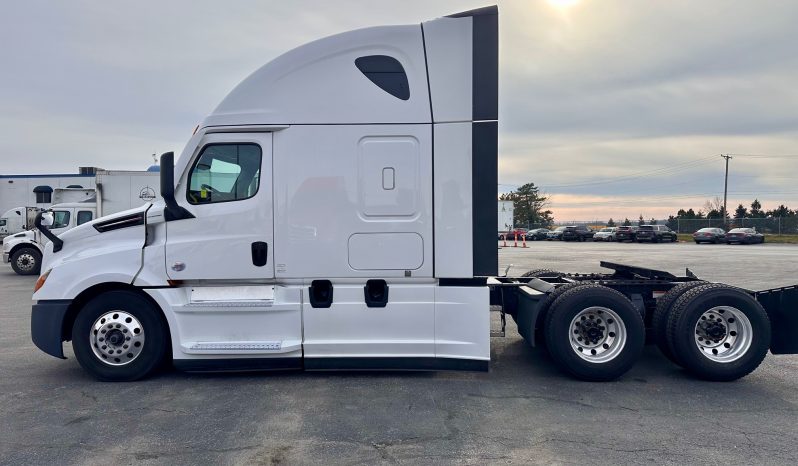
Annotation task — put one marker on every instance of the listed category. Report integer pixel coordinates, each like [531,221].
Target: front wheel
[27,261]
[718,332]
[120,336]
[594,333]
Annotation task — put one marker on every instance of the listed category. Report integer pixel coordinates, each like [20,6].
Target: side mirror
[47,219]
[172,211]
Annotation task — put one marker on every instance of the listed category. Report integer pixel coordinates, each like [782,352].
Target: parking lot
[523,411]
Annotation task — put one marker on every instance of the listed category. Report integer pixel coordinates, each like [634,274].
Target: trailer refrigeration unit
[336,212]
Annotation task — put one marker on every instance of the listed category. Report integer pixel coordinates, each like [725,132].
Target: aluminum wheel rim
[597,334]
[117,338]
[26,262]
[723,334]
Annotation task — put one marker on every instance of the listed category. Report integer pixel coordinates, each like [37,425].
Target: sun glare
[563,3]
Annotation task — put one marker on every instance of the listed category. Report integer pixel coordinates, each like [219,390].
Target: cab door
[228,188]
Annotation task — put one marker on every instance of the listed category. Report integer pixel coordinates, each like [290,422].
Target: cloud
[603,90]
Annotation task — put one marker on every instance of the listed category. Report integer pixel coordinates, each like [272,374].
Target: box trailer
[334,212]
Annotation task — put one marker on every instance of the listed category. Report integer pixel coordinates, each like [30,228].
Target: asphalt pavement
[523,411]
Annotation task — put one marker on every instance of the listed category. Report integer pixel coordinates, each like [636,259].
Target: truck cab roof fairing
[319,83]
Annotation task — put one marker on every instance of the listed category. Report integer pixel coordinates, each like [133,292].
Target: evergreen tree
[740,212]
[626,222]
[529,206]
[756,210]
[610,223]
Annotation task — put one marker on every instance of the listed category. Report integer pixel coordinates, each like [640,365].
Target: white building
[37,190]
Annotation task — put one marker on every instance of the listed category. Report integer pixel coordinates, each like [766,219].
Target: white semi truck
[335,212]
[115,191]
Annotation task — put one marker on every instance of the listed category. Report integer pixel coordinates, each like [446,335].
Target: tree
[714,208]
[780,211]
[740,212]
[756,210]
[640,221]
[626,222]
[673,223]
[610,223]
[652,221]
[529,206]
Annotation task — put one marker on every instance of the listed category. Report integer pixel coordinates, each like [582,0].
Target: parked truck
[115,191]
[17,220]
[335,212]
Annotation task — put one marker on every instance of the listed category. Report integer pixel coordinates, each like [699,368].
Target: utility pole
[725,187]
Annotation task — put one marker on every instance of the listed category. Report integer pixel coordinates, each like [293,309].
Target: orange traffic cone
[516,241]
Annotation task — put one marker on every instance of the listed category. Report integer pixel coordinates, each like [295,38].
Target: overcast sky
[616,108]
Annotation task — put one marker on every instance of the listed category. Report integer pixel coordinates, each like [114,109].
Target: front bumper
[46,325]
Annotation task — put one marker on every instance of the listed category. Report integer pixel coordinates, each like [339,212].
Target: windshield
[607,230]
[560,228]
[646,227]
[707,230]
[2,222]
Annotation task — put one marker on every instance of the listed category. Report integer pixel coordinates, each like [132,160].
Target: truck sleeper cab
[335,212]
[308,222]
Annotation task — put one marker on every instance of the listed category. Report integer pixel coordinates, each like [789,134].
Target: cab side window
[84,216]
[225,172]
[60,218]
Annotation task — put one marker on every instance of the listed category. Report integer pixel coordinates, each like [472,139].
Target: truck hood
[103,235]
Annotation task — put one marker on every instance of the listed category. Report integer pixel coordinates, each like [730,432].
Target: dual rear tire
[715,331]
[592,332]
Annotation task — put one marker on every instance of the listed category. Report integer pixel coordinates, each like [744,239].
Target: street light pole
[725,187]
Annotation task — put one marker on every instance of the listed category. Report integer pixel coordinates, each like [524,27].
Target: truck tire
[27,261]
[537,273]
[594,333]
[659,320]
[540,338]
[718,332]
[120,336]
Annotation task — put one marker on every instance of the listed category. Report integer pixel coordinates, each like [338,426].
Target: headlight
[41,280]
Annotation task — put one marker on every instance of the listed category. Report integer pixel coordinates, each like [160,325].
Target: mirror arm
[58,243]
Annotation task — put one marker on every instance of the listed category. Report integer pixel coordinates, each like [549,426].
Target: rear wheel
[120,336]
[659,320]
[594,333]
[718,332]
[26,261]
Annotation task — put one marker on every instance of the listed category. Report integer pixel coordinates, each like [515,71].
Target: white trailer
[506,212]
[334,212]
[17,220]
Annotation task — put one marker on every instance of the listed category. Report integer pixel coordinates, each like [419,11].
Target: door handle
[260,253]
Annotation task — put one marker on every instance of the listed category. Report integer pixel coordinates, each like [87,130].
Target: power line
[656,172]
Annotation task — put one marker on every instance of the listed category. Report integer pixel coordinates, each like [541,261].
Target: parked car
[709,235]
[744,236]
[605,234]
[537,234]
[626,233]
[577,233]
[555,234]
[655,234]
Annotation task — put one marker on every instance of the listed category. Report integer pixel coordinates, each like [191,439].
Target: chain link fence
[771,225]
